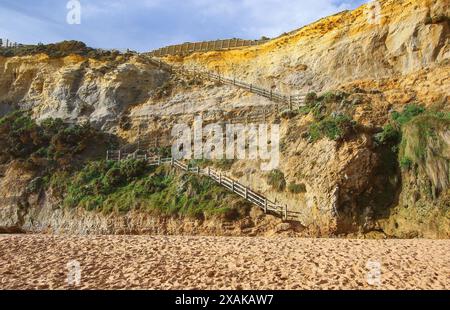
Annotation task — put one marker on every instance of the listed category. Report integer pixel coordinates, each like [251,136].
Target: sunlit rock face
[74,87]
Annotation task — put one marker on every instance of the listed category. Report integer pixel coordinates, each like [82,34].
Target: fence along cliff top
[6,43]
[188,48]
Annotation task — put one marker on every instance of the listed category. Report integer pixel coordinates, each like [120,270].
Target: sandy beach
[146,262]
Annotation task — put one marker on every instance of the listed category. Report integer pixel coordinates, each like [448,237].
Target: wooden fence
[206,46]
[290,102]
[234,186]
[6,43]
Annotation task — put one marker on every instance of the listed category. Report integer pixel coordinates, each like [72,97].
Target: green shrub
[61,49]
[408,113]
[36,185]
[23,138]
[297,188]
[131,169]
[329,97]
[406,163]
[310,98]
[335,128]
[288,114]
[276,180]
[389,135]
[437,19]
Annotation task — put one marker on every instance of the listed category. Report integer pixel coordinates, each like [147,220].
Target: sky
[144,25]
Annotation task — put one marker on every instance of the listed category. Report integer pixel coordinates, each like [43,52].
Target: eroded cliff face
[75,87]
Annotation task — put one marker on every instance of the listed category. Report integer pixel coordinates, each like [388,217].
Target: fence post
[251,88]
[271,94]
[286,213]
[246,193]
[120,155]
[265,206]
[172,161]
[159,161]
[209,171]
[220,178]
[198,170]
[290,103]
[107,155]
[232,186]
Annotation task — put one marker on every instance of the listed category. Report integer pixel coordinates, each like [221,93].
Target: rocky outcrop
[76,87]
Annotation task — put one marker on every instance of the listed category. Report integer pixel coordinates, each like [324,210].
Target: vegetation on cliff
[332,116]
[64,159]
[419,140]
[133,185]
[60,49]
[49,145]
[422,140]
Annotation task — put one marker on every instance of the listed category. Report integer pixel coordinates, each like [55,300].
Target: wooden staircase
[289,102]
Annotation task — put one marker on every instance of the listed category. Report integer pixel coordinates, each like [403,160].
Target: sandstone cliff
[74,87]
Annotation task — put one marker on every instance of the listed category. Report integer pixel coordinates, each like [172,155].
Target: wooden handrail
[289,100]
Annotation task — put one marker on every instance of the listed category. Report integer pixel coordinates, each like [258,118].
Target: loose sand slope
[221,263]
